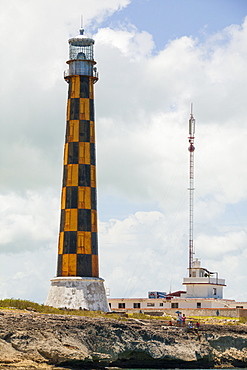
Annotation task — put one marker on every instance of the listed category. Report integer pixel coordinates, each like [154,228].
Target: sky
[155,58]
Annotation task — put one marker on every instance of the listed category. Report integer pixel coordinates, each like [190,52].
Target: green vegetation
[20,304]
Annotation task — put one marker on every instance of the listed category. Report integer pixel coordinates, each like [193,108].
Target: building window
[198,305]
[174,305]
[136,305]
[110,305]
[150,304]
[161,304]
[193,274]
[239,306]
[121,305]
[214,291]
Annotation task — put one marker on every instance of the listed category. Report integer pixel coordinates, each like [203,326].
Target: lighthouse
[77,284]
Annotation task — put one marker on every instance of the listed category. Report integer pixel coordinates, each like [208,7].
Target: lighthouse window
[81,56]
[214,291]
[81,52]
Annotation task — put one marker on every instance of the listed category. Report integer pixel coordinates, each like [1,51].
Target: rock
[29,340]
[31,309]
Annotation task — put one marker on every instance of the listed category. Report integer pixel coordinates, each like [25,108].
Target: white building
[151,304]
[202,283]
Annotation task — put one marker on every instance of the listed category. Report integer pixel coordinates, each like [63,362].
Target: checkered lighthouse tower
[78,285]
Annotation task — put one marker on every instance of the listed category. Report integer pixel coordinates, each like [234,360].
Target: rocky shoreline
[29,340]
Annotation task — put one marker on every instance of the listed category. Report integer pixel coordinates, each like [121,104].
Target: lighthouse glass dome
[81,47]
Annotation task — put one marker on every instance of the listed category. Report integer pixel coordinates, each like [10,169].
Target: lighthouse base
[78,293]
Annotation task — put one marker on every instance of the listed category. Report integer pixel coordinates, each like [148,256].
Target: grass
[20,304]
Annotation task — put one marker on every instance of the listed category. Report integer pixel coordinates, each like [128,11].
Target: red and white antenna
[191,187]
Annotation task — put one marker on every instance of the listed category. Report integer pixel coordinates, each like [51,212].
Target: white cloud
[215,246]
[28,222]
[27,275]
[133,44]
[140,254]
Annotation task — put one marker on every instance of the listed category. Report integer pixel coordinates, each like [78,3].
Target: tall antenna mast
[191,186]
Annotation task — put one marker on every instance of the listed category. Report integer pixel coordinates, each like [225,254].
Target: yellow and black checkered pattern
[78,244]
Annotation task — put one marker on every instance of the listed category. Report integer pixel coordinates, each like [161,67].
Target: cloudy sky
[154,57]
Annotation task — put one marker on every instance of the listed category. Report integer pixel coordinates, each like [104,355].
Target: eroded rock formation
[40,341]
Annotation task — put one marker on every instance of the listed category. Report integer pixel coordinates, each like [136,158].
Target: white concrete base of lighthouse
[78,293]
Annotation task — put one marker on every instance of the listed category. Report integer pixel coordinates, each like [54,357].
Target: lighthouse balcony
[204,280]
[81,68]
[82,72]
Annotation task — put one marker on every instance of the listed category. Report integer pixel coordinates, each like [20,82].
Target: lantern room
[81,59]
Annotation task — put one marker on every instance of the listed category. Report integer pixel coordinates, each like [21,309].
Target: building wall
[242,312]
[225,312]
[144,304]
[200,290]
